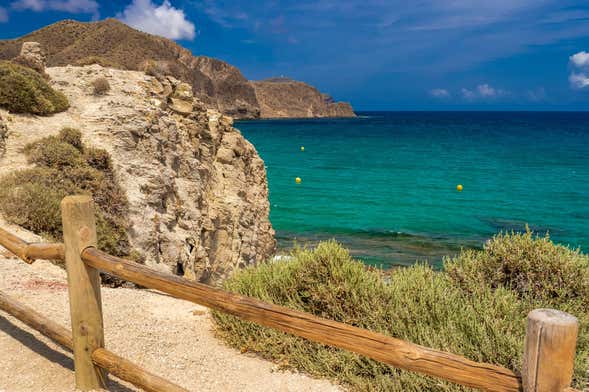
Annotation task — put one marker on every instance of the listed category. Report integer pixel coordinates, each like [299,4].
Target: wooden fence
[548,353]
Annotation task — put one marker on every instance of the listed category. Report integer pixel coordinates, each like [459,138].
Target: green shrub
[533,267]
[22,90]
[31,63]
[98,159]
[540,273]
[28,201]
[416,304]
[31,197]
[71,136]
[100,86]
[52,152]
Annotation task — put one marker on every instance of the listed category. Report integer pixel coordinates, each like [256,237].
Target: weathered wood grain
[132,373]
[549,351]
[79,232]
[30,252]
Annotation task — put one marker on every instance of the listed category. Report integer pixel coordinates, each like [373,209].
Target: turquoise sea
[384,184]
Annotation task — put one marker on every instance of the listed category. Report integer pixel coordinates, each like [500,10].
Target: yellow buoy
[302,148]
[459,187]
[298,180]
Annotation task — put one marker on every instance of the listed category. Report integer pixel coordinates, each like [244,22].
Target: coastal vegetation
[475,306]
[100,86]
[63,166]
[23,90]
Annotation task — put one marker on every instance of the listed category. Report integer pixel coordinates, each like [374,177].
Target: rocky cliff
[196,188]
[285,98]
[111,43]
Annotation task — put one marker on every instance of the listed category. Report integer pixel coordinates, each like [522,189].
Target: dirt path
[169,337]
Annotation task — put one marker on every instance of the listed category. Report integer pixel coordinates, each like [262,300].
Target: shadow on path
[41,348]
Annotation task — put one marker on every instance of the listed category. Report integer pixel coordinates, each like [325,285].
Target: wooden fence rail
[30,252]
[551,335]
[103,358]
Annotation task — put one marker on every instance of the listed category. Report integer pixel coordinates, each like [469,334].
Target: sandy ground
[170,337]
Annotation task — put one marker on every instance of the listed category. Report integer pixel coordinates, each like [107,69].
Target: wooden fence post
[79,232]
[549,351]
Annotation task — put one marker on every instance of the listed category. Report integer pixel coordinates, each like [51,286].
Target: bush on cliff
[22,90]
[64,166]
[100,86]
[418,304]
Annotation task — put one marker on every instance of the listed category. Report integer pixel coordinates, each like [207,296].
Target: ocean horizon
[385,184]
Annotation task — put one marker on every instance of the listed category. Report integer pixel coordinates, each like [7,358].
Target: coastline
[365,180]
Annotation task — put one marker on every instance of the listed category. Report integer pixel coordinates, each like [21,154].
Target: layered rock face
[32,56]
[111,43]
[231,93]
[285,98]
[197,189]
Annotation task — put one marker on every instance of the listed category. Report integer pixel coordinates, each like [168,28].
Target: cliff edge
[286,98]
[111,43]
[197,191]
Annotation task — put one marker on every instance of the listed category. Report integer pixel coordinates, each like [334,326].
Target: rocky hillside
[285,98]
[111,43]
[197,189]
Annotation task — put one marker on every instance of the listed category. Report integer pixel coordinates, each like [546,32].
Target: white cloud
[482,91]
[578,80]
[439,93]
[536,95]
[3,15]
[71,6]
[580,60]
[485,90]
[34,5]
[468,94]
[164,20]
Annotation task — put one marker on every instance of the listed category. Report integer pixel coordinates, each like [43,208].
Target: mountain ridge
[218,84]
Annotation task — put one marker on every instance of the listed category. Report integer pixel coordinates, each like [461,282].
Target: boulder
[183,91]
[32,56]
[180,106]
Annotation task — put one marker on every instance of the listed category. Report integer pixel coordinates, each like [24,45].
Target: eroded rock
[32,56]
[197,189]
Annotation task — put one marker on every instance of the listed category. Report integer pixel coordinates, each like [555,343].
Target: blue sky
[378,54]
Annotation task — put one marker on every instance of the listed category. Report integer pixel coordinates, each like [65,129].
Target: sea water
[385,184]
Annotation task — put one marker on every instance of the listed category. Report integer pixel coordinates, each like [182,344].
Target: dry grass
[22,90]
[417,304]
[100,86]
[64,166]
